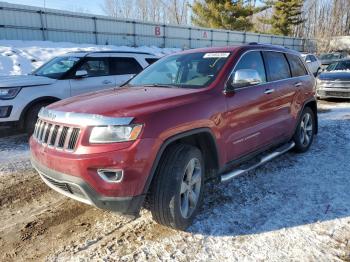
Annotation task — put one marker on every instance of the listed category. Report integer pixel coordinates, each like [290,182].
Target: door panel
[121,79]
[90,84]
[251,120]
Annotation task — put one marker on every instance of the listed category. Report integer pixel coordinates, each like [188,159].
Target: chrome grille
[333,94]
[334,84]
[55,135]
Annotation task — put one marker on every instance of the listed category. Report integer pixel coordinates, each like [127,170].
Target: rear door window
[297,67]
[276,65]
[124,66]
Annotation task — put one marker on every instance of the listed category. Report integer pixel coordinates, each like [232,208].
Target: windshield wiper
[159,85]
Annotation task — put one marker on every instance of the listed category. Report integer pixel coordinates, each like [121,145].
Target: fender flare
[170,140]
[311,100]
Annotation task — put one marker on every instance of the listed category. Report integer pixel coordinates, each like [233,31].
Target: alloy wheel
[306,129]
[190,187]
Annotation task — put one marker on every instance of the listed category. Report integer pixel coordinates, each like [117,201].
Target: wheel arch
[203,138]
[311,103]
[44,99]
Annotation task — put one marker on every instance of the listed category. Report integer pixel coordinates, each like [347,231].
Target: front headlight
[9,93]
[113,134]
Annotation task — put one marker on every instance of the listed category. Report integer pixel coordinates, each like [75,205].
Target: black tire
[165,197]
[302,144]
[32,117]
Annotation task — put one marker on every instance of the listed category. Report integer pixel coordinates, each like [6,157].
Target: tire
[171,190]
[305,131]
[32,117]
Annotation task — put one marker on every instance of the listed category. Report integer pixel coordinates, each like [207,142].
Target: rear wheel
[177,190]
[305,131]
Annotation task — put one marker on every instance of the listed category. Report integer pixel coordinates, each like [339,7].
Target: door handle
[106,82]
[298,84]
[269,91]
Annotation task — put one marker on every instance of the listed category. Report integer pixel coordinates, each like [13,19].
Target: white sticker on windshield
[216,55]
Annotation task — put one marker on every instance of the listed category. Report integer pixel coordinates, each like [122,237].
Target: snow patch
[22,57]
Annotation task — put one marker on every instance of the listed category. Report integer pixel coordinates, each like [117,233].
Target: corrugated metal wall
[22,22]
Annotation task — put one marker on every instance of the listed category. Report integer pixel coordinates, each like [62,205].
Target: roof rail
[111,51]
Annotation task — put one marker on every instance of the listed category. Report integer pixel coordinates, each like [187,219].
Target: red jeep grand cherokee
[189,117]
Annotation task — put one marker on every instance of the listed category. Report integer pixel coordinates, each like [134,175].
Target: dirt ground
[296,207]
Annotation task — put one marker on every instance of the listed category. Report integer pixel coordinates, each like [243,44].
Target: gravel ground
[295,208]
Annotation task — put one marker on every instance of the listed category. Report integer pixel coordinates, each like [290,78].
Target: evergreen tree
[223,14]
[286,15]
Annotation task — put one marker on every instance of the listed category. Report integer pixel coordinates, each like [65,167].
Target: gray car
[334,82]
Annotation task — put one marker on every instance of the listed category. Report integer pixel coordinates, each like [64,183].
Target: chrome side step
[240,171]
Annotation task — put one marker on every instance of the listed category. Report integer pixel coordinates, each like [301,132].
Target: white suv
[21,97]
[312,62]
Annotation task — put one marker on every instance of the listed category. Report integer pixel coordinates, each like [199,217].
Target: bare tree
[159,11]
[118,8]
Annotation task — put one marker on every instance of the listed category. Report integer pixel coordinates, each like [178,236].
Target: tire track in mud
[36,220]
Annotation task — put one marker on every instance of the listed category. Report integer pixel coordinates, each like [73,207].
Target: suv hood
[24,81]
[126,101]
[335,75]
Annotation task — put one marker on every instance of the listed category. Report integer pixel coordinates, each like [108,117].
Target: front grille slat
[47,133]
[73,139]
[41,130]
[54,135]
[69,133]
[62,137]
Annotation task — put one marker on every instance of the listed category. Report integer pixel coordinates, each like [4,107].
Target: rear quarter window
[151,60]
[276,65]
[296,65]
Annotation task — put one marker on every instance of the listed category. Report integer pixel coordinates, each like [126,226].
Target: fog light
[111,175]
[5,111]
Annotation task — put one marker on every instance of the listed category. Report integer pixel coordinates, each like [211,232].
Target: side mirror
[243,78]
[81,73]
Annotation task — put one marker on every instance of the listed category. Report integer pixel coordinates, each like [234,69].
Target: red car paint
[240,122]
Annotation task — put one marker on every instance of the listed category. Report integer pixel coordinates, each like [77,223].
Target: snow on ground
[294,208]
[21,57]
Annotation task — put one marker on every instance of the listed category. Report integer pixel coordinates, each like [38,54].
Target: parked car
[188,118]
[334,82]
[21,97]
[328,58]
[312,62]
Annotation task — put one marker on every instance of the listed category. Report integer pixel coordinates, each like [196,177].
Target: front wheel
[32,117]
[177,190]
[305,131]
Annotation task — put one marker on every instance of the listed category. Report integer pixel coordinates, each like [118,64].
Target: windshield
[330,56]
[56,67]
[194,70]
[340,65]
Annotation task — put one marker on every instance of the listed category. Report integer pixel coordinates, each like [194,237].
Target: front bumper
[78,189]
